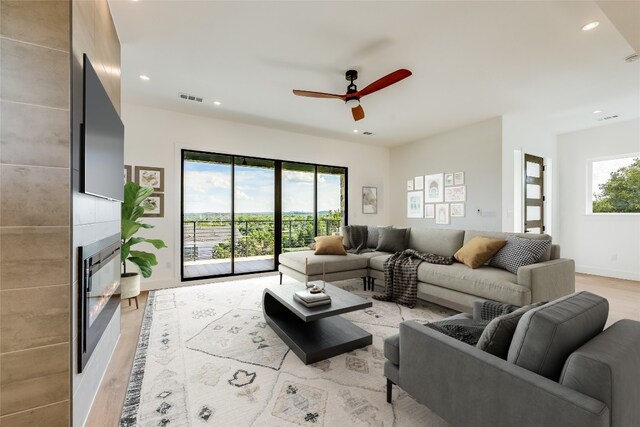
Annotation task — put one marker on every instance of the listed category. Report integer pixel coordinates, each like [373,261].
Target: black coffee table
[316,333]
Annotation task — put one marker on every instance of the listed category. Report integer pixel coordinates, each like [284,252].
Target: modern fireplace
[98,287]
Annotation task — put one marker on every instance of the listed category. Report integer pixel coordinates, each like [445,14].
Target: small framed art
[415,204]
[457,210]
[409,185]
[369,200]
[429,210]
[456,193]
[442,213]
[147,176]
[448,179]
[458,178]
[154,206]
[433,188]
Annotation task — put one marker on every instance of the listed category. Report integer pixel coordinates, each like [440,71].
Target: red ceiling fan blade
[358,113]
[311,94]
[385,81]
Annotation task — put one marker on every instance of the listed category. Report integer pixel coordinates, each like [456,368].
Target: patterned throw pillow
[519,252]
[496,337]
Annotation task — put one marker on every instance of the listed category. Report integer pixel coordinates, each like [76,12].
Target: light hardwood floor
[623,296]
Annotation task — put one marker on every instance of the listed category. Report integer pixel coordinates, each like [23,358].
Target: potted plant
[132,210]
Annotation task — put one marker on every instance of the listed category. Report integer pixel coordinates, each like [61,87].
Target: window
[240,212]
[614,185]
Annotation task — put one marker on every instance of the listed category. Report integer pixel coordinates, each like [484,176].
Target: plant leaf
[143,265]
[129,228]
[148,256]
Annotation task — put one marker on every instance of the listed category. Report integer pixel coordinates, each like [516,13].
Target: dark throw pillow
[392,240]
[496,337]
[519,252]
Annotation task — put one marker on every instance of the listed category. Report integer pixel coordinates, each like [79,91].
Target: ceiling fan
[353,95]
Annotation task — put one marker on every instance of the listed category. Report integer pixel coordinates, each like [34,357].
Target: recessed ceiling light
[144,77]
[590,25]
[355,131]
[597,111]
[217,103]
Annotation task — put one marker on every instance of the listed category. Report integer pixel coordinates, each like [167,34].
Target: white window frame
[589,185]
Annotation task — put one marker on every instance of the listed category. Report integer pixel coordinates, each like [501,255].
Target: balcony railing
[204,239]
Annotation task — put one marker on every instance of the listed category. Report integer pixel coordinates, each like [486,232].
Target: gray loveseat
[562,369]
[456,286]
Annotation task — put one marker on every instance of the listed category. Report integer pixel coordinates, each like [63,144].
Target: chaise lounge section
[456,286]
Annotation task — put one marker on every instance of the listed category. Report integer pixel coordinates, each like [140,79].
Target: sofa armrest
[549,280]
[466,386]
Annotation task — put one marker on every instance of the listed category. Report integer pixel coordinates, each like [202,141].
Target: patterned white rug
[206,357]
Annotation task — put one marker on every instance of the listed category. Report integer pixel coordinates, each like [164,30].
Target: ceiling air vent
[615,116]
[188,97]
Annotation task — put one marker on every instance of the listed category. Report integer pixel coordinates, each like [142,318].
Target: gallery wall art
[439,196]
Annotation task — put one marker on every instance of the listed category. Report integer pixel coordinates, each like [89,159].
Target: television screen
[103,142]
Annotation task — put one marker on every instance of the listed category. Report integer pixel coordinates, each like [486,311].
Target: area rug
[207,357]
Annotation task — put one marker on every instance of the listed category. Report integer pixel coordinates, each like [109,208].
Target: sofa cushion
[496,337]
[547,335]
[329,245]
[377,262]
[470,234]
[478,251]
[392,240]
[333,263]
[519,252]
[373,254]
[439,241]
[484,282]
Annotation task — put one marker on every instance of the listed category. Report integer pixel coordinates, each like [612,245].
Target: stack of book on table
[308,299]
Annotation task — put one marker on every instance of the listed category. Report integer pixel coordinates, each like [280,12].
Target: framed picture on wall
[418,183]
[415,204]
[442,213]
[154,206]
[127,173]
[448,179]
[433,188]
[148,176]
[458,178]
[457,210]
[409,185]
[456,193]
[369,200]
[429,210]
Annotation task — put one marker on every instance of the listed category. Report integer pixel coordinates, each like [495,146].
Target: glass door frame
[277,241]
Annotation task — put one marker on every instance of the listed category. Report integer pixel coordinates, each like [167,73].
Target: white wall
[154,137]
[474,150]
[528,137]
[606,245]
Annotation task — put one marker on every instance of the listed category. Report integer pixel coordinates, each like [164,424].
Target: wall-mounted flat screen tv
[103,141]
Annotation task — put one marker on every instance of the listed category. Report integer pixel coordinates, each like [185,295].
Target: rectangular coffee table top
[341,301]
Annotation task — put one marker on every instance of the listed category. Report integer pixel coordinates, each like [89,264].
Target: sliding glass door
[254,205]
[239,213]
[206,220]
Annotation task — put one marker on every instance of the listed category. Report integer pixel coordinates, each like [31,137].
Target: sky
[601,171]
[207,188]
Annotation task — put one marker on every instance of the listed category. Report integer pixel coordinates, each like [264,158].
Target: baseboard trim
[605,272]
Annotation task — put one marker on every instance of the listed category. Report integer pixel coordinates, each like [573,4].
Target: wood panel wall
[34,213]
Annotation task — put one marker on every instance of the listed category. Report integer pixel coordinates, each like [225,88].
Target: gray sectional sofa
[562,370]
[456,286]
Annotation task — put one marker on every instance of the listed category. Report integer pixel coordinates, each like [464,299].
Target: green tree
[621,193]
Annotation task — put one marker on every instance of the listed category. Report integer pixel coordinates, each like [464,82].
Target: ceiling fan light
[352,103]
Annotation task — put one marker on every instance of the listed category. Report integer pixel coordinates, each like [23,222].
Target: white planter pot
[129,285]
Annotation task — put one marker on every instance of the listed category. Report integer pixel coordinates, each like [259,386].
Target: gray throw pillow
[372,236]
[344,232]
[519,252]
[392,240]
[496,337]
